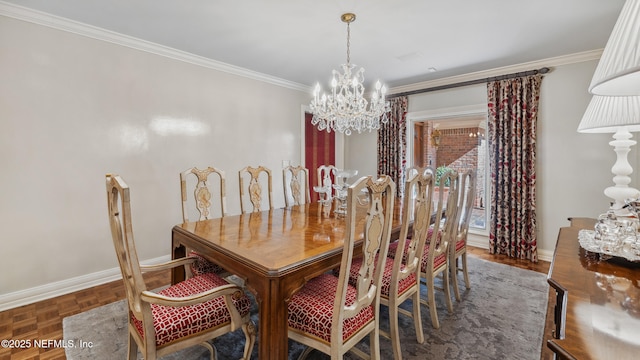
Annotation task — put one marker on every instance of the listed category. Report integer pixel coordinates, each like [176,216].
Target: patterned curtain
[392,143]
[513,113]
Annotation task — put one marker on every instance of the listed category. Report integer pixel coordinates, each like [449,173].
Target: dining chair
[295,181]
[185,314]
[401,276]
[439,235]
[202,194]
[326,179]
[458,249]
[413,170]
[328,313]
[202,204]
[252,194]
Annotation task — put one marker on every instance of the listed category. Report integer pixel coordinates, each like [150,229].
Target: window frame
[442,115]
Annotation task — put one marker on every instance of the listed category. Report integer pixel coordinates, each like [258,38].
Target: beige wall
[73,108]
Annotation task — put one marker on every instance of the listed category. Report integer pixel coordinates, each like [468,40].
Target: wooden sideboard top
[602,309]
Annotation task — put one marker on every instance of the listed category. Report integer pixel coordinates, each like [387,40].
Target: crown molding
[78,28]
[549,62]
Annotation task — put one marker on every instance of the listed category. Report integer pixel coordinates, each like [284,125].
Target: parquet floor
[43,320]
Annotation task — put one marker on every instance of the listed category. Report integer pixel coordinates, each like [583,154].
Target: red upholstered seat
[311,309]
[393,247]
[438,261]
[203,266]
[386,277]
[173,323]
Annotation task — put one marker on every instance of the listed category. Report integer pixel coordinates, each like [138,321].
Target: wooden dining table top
[279,240]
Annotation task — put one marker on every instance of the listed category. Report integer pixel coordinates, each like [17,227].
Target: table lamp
[618,72]
[619,115]
[614,108]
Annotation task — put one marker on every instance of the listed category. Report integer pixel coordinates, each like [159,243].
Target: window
[456,139]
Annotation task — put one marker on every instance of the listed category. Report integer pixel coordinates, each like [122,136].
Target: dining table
[275,252]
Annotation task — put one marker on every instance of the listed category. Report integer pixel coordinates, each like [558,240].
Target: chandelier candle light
[345,109]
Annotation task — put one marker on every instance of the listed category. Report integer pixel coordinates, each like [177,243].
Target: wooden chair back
[253,193]
[407,259]
[446,210]
[414,228]
[465,203]
[413,170]
[119,207]
[202,193]
[458,247]
[295,181]
[326,178]
[437,247]
[376,228]
[410,172]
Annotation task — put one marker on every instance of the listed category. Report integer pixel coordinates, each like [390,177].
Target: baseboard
[482,242]
[51,290]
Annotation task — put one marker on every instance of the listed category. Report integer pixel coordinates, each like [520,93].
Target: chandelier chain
[348,43]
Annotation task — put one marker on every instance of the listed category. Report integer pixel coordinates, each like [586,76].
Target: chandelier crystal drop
[345,109]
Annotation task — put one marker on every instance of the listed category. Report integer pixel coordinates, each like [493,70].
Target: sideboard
[595,304]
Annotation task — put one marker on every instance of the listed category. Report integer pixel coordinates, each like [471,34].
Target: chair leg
[447,290]
[453,267]
[133,348]
[417,317]
[374,342]
[394,331]
[211,348]
[249,330]
[432,304]
[464,269]
[305,353]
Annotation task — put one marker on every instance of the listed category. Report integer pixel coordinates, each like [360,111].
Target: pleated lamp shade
[618,72]
[607,114]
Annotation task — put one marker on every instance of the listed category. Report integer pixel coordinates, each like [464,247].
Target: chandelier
[345,109]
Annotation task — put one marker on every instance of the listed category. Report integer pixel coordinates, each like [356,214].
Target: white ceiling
[395,41]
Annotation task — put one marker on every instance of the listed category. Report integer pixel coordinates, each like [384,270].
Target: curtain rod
[543,70]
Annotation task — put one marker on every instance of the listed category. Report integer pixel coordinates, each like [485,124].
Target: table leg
[273,333]
[177,251]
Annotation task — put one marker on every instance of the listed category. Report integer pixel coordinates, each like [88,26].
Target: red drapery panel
[320,149]
[392,143]
[513,113]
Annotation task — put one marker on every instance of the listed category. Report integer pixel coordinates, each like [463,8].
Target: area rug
[502,316]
